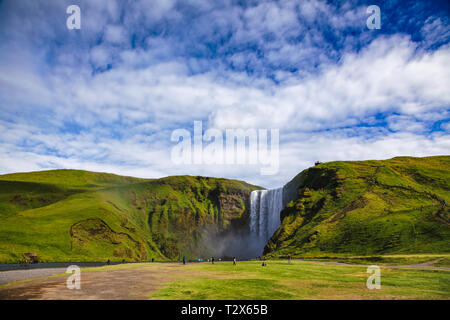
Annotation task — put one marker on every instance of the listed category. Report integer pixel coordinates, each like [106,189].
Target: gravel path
[16,275]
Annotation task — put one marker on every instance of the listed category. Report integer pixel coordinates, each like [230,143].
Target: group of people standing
[212,260]
[234,260]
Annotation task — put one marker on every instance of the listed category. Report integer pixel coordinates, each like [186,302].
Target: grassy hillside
[73,215]
[396,206]
[367,207]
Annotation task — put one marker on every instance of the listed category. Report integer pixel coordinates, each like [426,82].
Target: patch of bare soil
[123,284]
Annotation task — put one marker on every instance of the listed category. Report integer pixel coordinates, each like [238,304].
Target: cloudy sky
[108,96]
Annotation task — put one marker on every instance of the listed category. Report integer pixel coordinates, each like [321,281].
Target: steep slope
[366,207]
[73,215]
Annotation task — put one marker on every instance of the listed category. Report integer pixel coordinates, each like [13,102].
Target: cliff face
[204,212]
[71,215]
[366,207]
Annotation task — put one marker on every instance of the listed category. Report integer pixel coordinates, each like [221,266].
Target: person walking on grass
[234,261]
[184,260]
[212,260]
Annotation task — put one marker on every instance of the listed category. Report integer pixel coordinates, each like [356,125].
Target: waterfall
[265,208]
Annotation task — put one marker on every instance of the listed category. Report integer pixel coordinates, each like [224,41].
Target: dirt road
[110,284]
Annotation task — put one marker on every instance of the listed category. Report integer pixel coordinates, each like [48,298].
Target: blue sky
[108,96]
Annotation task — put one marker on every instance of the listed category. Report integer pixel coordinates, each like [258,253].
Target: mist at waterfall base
[264,220]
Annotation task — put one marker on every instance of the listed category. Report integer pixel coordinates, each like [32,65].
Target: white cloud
[115,34]
[405,124]
[387,76]
[435,30]
[61,108]
[100,56]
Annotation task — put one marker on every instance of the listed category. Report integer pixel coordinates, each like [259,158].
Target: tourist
[212,260]
[234,261]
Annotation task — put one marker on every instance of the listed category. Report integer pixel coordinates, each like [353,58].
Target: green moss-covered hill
[367,207]
[73,215]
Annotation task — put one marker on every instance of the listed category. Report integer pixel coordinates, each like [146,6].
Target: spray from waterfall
[265,208]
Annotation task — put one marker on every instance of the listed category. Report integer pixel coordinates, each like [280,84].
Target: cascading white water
[265,208]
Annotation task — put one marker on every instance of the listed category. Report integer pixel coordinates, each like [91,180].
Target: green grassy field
[248,280]
[442,260]
[303,280]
